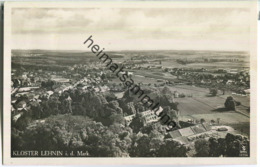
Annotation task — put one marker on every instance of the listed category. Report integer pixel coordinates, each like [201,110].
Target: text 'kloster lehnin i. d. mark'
[129,82]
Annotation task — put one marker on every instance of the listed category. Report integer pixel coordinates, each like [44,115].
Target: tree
[230,103]
[139,107]
[16,139]
[142,147]
[202,148]
[222,146]
[155,144]
[214,91]
[137,123]
[78,109]
[110,96]
[54,104]
[76,95]
[202,120]
[171,112]
[128,108]
[115,106]
[36,109]
[42,136]
[95,104]
[116,118]
[166,90]
[172,148]
[218,120]
[234,143]
[214,147]
[23,121]
[48,84]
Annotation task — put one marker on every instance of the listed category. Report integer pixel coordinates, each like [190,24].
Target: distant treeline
[38,67]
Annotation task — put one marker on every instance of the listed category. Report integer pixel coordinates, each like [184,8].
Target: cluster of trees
[68,133]
[97,126]
[230,146]
[102,107]
[165,97]
[48,84]
[153,145]
[104,135]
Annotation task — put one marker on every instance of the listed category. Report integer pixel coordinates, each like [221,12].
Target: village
[197,98]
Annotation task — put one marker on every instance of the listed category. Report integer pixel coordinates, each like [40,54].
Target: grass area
[202,103]
[229,117]
[189,106]
[195,91]
[242,128]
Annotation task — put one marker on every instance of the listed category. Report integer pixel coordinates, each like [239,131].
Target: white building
[129,118]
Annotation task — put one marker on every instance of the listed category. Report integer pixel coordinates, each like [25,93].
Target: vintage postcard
[130,82]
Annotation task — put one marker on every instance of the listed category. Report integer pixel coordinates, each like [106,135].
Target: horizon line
[78,50]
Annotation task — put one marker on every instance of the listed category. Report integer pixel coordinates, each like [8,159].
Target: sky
[131,28]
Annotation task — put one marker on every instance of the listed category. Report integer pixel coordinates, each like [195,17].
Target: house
[129,118]
[96,89]
[27,89]
[49,93]
[247,91]
[176,94]
[104,88]
[21,105]
[24,76]
[202,81]
[128,73]
[149,116]
[17,116]
[229,82]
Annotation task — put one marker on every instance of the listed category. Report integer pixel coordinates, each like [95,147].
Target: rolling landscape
[207,87]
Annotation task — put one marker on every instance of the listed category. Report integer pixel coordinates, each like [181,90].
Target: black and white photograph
[130,80]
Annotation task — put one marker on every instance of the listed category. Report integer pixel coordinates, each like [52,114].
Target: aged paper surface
[130,82]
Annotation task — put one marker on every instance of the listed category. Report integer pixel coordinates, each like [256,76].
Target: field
[202,103]
[188,106]
[167,58]
[230,117]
